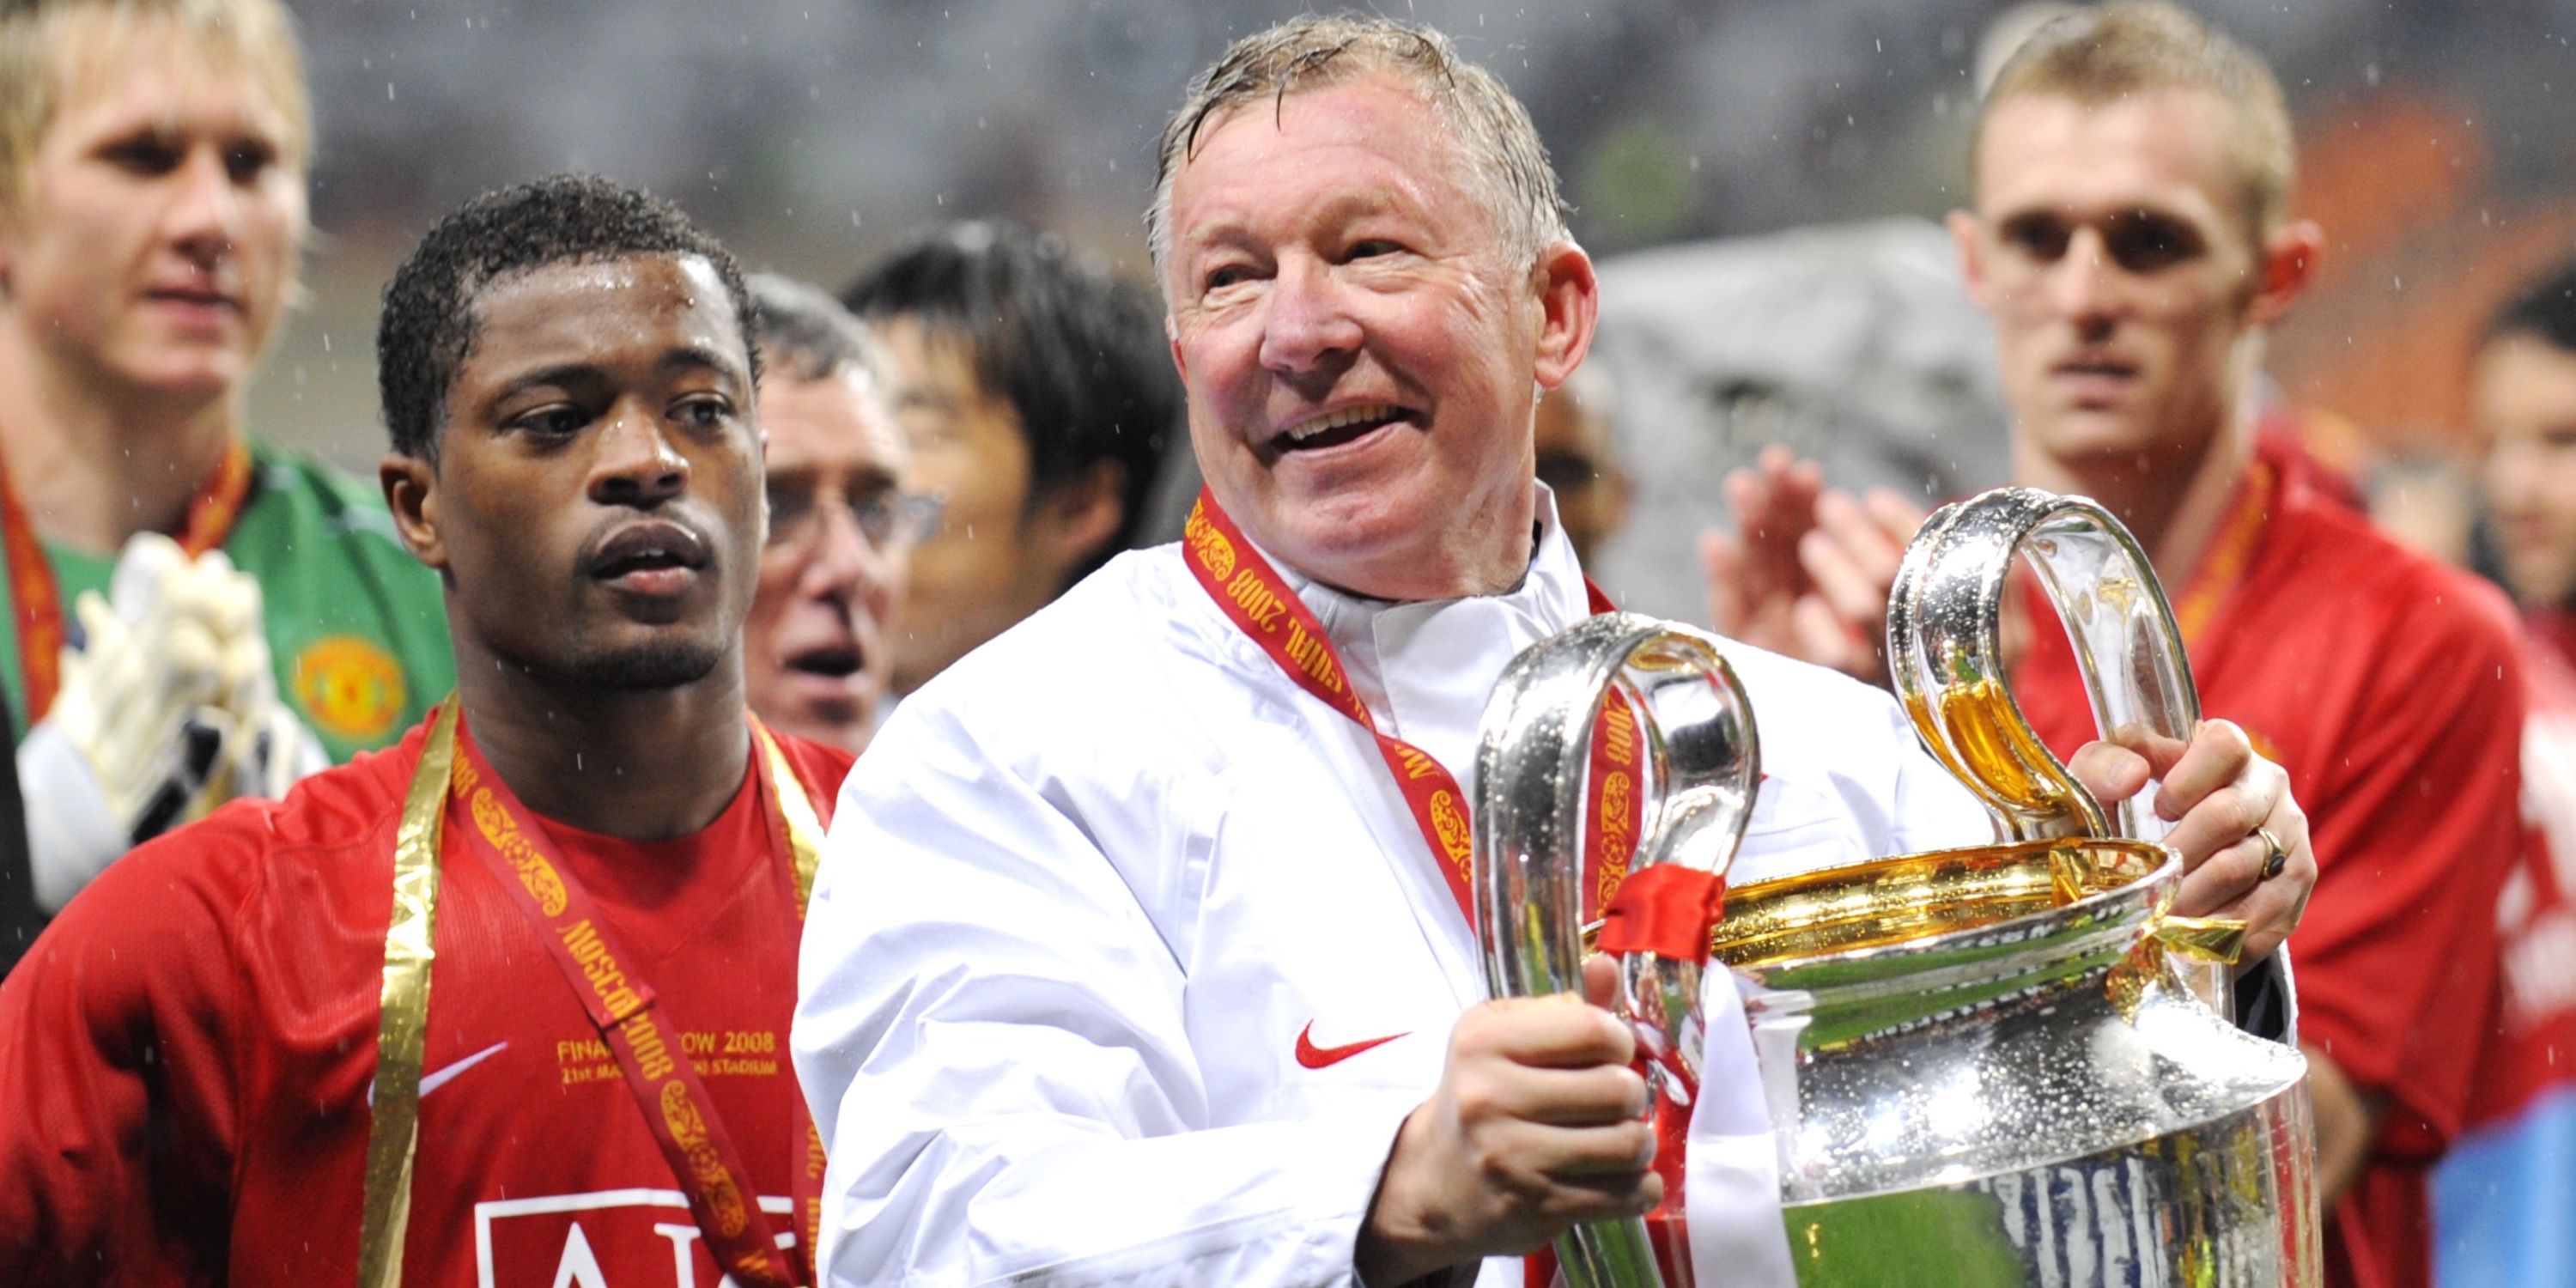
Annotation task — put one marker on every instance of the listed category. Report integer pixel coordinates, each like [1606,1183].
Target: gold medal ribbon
[402,1027]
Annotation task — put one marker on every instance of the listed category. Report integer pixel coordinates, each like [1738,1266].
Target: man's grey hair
[805,334]
[1506,165]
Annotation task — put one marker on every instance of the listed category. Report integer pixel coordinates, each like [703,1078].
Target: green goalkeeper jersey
[356,628]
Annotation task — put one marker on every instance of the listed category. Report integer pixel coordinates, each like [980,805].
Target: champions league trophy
[1985,1066]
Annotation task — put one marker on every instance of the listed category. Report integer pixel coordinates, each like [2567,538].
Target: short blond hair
[43,43]
[2099,56]
[1507,165]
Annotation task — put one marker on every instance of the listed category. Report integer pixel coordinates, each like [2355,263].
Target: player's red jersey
[2390,687]
[187,1055]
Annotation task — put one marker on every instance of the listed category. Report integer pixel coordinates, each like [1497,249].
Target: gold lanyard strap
[805,847]
[393,1129]
[804,828]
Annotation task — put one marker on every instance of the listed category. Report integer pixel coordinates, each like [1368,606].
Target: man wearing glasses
[842,524]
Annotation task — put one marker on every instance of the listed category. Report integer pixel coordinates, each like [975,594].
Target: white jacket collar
[1425,667]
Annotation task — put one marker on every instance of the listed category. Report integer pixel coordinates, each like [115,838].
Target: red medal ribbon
[1613,796]
[37,597]
[1261,604]
[514,844]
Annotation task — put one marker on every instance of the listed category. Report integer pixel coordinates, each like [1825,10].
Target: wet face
[155,242]
[597,504]
[1362,357]
[815,656]
[2523,400]
[987,566]
[2112,247]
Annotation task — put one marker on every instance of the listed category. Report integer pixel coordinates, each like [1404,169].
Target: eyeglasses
[891,519]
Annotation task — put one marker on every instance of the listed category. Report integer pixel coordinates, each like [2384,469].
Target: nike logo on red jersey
[433,1081]
[430,1082]
[1315,1057]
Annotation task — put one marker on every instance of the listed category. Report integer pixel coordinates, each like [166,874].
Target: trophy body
[2002,1065]
[1994,1085]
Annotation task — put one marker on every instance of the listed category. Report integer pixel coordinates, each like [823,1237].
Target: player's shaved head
[428,329]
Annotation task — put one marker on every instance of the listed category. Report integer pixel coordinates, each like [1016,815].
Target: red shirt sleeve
[116,1149]
[2416,822]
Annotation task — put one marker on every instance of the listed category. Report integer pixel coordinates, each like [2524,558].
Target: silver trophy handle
[1942,648]
[1701,767]
[1943,620]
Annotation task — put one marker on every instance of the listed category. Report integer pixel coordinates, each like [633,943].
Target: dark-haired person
[817,655]
[2502,1195]
[1037,395]
[2131,240]
[1141,954]
[190,614]
[2522,388]
[507,1002]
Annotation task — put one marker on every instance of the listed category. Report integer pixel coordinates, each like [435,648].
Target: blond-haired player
[190,616]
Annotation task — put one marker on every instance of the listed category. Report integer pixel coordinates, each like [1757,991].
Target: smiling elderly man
[1128,961]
